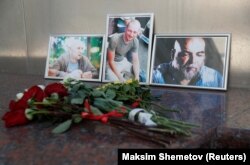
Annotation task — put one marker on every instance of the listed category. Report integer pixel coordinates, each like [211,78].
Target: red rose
[56,88]
[34,92]
[20,104]
[14,118]
[136,103]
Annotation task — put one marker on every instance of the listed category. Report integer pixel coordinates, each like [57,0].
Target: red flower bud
[135,104]
[34,92]
[58,88]
[14,118]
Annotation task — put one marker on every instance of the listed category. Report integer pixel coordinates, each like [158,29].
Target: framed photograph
[191,60]
[128,47]
[75,56]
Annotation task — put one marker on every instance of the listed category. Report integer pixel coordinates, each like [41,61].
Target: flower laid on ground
[129,106]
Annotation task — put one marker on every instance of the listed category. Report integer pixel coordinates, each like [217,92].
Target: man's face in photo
[77,50]
[189,57]
[132,31]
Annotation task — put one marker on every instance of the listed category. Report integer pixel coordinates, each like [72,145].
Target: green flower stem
[152,103]
[184,123]
[173,123]
[178,127]
[140,131]
[53,113]
[145,136]
[44,103]
[163,130]
[62,106]
[134,98]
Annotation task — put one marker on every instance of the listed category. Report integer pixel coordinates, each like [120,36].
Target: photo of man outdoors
[119,45]
[76,57]
[127,54]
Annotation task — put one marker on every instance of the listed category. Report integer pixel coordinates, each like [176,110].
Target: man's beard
[187,72]
[191,71]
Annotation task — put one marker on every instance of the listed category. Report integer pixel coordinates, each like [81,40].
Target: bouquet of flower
[128,106]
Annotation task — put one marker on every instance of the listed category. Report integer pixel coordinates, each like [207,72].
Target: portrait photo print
[75,56]
[191,60]
[128,47]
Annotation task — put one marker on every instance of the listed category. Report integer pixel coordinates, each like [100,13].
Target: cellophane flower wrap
[129,106]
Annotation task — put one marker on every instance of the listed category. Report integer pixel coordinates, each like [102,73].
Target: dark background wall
[27,24]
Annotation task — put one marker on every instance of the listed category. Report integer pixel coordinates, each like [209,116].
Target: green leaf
[77,118]
[82,94]
[110,94]
[97,93]
[122,98]
[62,127]
[88,86]
[95,110]
[107,104]
[77,100]
[126,88]
[101,104]
[75,88]
[115,103]
[132,90]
